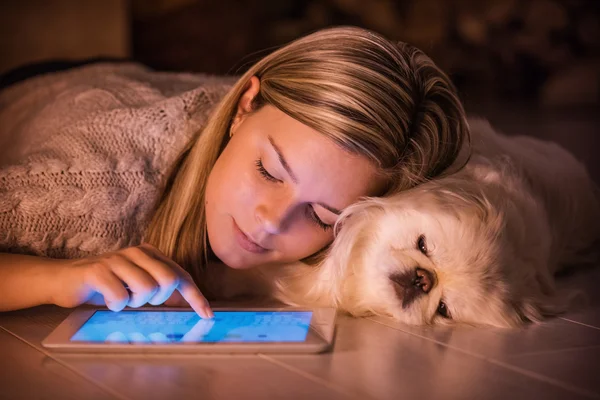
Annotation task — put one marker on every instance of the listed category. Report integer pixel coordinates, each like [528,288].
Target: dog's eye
[443,310]
[421,245]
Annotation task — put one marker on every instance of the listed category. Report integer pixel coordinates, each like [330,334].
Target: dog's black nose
[412,283]
[424,279]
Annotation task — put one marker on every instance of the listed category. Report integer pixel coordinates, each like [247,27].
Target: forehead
[323,168]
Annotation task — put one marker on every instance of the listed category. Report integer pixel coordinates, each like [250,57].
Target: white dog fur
[492,237]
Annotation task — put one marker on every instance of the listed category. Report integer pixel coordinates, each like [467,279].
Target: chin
[480,246]
[235,264]
[227,255]
[234,258]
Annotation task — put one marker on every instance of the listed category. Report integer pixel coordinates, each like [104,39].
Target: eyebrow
[286,166]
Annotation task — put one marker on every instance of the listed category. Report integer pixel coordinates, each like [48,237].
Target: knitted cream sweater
[83,154]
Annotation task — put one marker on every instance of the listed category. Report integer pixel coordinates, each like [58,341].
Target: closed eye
[263,171]
[310,211]
[313,217]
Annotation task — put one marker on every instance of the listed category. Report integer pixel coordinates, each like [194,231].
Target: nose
[423,279]
[413,283]
[271,217]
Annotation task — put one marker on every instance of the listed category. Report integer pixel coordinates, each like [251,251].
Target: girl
[122,190]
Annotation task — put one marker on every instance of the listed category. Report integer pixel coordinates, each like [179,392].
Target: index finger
[190,292]
[188,289]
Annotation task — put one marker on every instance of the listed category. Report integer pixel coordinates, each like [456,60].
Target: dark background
[544,51]
[530,66]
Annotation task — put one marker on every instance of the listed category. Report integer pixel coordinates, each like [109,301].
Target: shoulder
[106,114]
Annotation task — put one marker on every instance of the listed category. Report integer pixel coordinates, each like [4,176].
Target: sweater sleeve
[86,151]
[52,211]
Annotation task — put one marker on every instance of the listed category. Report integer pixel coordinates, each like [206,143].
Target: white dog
[480,246]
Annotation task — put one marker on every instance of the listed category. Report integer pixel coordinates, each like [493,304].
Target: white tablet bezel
[319,338]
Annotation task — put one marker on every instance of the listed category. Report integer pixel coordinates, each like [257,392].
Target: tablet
[173,330]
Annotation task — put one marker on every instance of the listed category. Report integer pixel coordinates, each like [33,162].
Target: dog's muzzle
[413,283]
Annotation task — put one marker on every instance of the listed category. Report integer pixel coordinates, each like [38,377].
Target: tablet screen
[187,327]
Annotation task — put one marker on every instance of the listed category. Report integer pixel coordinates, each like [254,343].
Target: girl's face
[278,187]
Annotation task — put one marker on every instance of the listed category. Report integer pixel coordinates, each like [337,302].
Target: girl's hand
[129,277]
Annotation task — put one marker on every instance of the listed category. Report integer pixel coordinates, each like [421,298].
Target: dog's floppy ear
[322,284]
[352,232]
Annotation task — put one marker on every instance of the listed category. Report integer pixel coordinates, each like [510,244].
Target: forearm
[27,281]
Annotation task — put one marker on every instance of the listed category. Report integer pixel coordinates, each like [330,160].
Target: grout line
[67,366]
[579,323]
[537,353]
[499,363]
[309,376]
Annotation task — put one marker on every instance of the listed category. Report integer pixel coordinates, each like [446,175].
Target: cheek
[303,240]
[232,185]
[320,240]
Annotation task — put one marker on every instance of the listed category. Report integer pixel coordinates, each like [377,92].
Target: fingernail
[208,312]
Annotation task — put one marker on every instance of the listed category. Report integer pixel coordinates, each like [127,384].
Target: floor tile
[589,318]
[578,367]
[206,377]
[503,343]
[382,363]
[26,373]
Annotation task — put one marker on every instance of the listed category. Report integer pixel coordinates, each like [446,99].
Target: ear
[244,106]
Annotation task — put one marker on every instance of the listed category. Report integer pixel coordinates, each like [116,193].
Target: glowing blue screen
[187,327]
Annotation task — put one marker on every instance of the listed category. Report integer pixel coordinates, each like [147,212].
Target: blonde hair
[385,101]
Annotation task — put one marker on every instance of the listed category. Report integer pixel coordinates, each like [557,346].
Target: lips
[245,242]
